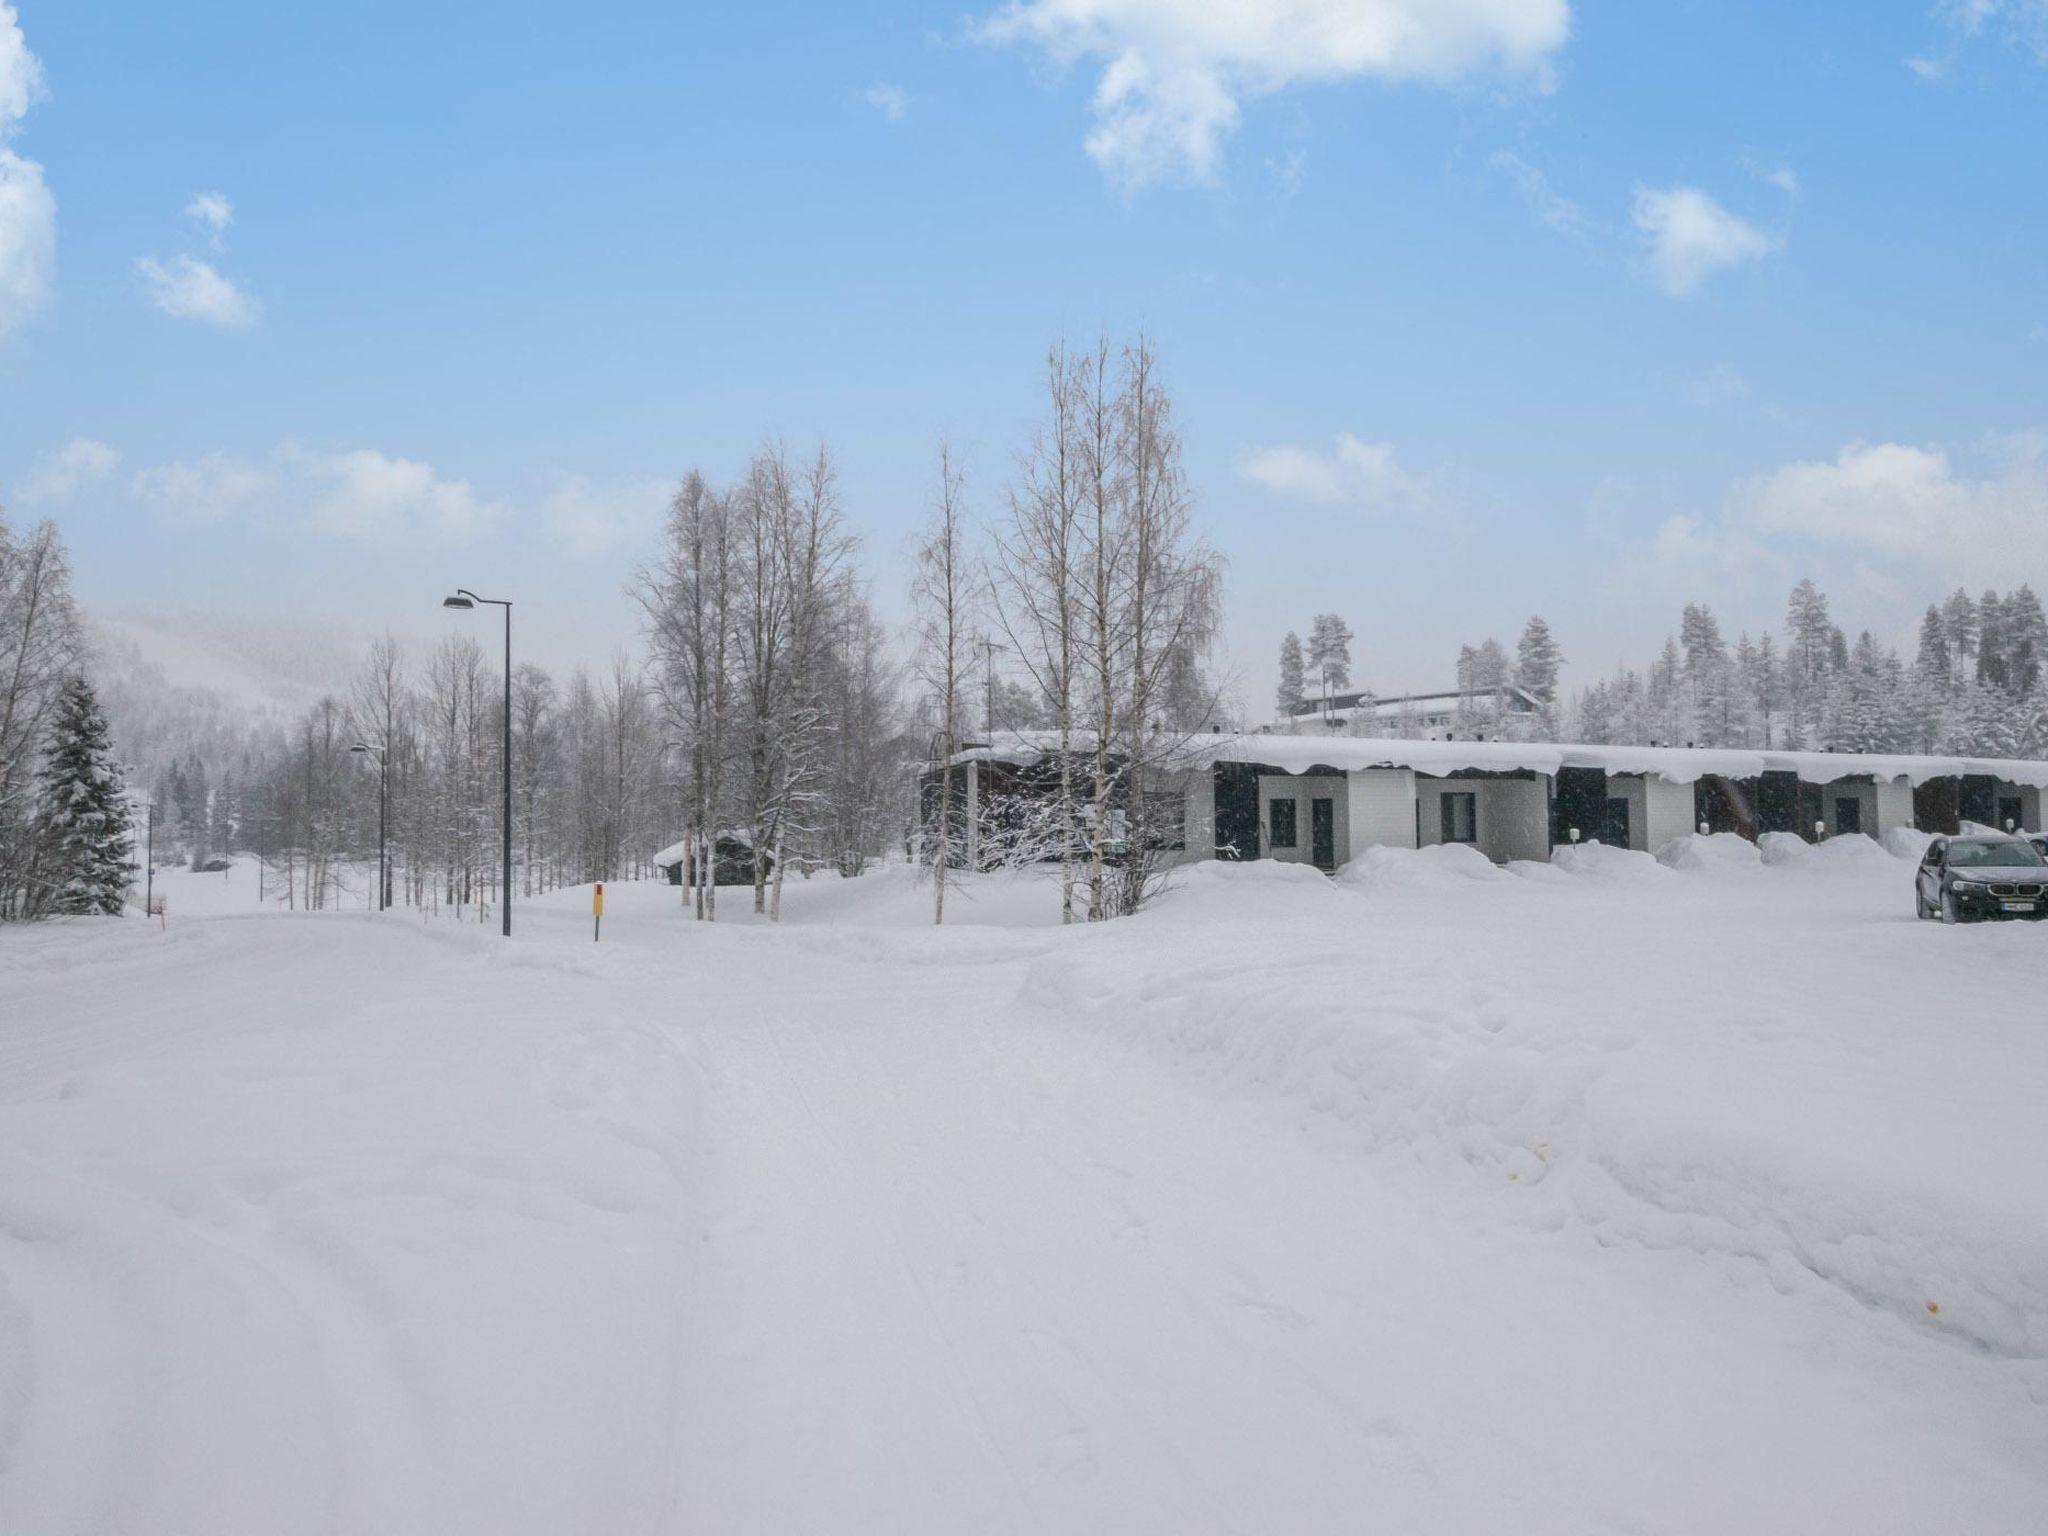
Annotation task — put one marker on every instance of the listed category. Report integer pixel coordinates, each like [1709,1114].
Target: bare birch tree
[942,593]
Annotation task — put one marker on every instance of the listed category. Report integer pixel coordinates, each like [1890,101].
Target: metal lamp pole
[383,809]
[463,598]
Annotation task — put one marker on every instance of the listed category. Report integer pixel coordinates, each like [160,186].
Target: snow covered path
[340,1224]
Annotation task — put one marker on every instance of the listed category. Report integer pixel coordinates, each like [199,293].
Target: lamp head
[359,747]
[458,600]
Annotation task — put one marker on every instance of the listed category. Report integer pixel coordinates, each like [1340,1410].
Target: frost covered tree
[1537,659]
[40,647]
[84,856]
[1293,679]
[1329,654]
[943,594]
[1038,552]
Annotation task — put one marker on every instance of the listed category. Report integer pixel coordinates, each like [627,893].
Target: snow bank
[1852,850]
[1907,843]
[1783,848]
[1713,852]
[1442,867]
[1680,1071]
[1615,866]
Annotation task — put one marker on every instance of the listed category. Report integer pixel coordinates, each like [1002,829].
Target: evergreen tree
[1537,659]
[1292,682]
[1991,641]
[2025,641]
[85,845]
[1959,618]
[1769,685]
[1932,661]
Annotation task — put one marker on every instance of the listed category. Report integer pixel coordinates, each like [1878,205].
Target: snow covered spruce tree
[1293,677]
[85,849]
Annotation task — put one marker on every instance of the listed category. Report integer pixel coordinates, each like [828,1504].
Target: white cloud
[1549,205]
[1785,179]
[360,496]
[209,489]
[889,100]
[28,213]
[192,290]
[211,209]
[368,496]
[21,73]
[1352,473]
[590,518]
[1692,237]
[61,475]
[1175,72]
[1875,508]
[2021,23]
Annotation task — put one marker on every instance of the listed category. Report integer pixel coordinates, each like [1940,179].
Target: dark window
[1460,817]
[1280,817]
[1848,814]
[1166,818]
[2008,815]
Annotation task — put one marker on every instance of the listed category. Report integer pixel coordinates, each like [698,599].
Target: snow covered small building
[732,864]
[1325,799]
[1428,714]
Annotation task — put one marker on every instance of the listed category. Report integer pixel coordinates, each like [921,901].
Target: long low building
[1324,800]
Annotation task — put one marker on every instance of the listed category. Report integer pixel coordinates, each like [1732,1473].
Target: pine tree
[1289,699]
[1537,659]
[1959,617]
[2026,640]
[1329,653]
[86,847]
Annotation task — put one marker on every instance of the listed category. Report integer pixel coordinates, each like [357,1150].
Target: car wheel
[1949,912]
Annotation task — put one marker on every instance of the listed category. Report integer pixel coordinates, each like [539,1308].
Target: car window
[2003,855]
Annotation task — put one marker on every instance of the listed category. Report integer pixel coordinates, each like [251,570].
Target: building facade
[1324,800]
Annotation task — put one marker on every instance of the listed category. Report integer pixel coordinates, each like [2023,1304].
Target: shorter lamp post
[383,807]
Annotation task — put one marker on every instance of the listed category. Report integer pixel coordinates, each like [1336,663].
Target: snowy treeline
[1107,602]
[772,679]
[587,786]
[64,818]
[1975,684]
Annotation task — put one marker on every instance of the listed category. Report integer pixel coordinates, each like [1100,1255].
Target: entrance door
[1322,834]
[2008,814]
[1614,828]
[1848,815]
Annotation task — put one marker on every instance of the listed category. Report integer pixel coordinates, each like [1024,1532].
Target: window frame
[1273,804]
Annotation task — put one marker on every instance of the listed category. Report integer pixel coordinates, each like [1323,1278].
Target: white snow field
[1608,1195]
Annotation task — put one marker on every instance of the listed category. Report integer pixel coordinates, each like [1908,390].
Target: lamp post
[464,599]
[383,807]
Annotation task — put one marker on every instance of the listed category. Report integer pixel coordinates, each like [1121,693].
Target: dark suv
[1964,878]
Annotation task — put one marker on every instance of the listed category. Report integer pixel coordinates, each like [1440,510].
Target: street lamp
[464,599]
[383,804]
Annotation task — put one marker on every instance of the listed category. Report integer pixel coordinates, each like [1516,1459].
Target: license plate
[2015,906]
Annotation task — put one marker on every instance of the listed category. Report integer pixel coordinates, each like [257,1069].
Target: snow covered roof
[1679,765]
[677,853]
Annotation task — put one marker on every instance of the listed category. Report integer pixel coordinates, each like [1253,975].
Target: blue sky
[1471,310]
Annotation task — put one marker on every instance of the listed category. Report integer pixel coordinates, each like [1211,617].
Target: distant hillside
[176,684]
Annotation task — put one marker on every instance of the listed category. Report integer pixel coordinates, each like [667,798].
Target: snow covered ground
[1598,1196]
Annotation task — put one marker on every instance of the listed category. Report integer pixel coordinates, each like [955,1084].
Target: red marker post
[596,911]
